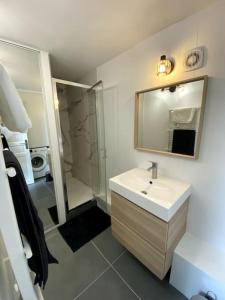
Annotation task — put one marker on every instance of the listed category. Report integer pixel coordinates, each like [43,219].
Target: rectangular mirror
[168,119]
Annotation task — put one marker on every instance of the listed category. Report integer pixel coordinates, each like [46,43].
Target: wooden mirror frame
[136,118]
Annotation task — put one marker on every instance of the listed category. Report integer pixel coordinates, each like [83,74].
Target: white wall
[34,104]
[136,70]
[89,78]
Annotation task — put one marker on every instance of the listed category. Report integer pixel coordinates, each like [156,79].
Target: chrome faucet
[154,169]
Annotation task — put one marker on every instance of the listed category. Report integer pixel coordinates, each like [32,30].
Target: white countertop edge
[163,213]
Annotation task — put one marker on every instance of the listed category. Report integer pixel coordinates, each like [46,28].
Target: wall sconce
[165,66]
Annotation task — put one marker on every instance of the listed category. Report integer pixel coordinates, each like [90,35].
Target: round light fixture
[165,66]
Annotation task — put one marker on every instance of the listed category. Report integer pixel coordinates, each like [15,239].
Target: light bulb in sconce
[165,66]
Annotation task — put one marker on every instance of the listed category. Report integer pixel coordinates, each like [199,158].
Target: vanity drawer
[153,259]
[149,227]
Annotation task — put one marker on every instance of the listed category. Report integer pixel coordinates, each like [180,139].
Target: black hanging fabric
[29,223]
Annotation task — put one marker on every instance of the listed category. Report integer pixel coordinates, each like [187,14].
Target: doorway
[32,149]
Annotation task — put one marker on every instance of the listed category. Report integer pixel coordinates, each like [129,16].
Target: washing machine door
[38,162]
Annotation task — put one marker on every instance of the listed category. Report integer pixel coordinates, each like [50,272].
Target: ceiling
[82,34]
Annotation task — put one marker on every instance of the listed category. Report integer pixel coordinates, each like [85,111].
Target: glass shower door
[81,133]
[97,140]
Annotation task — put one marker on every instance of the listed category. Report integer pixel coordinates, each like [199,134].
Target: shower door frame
[63,207]
[101,147]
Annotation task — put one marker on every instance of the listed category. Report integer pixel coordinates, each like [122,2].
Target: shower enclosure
[80,122]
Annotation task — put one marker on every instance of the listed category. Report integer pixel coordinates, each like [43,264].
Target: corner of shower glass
[98,149]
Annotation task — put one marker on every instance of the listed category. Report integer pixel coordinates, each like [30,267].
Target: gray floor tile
[108,245]
[43,198]
[109,286]
[44,202]
[45,218]
[143,282]
[75,270]
[50,234]
[50,186]
[39,190]
[57,246]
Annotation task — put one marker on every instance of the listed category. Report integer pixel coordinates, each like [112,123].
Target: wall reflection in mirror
[32,149]
[169,119]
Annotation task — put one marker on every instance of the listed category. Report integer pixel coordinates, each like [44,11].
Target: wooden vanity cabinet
[149,238]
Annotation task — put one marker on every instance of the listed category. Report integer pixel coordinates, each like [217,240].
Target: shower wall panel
[65,129]
[80,134]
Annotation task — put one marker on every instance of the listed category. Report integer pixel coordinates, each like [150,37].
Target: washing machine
[39,161]
[19,146]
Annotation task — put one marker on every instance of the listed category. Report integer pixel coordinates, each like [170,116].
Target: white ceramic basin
[162,196]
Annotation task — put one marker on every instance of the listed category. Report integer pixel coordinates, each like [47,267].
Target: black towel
[183,141]
[29,222]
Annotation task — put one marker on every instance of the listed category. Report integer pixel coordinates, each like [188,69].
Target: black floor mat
[72,212]
[83,228]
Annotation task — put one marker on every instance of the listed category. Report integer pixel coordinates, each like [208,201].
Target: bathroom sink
[162,196]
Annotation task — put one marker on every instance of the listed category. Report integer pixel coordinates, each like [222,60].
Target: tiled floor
[101,270]
[43,197]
